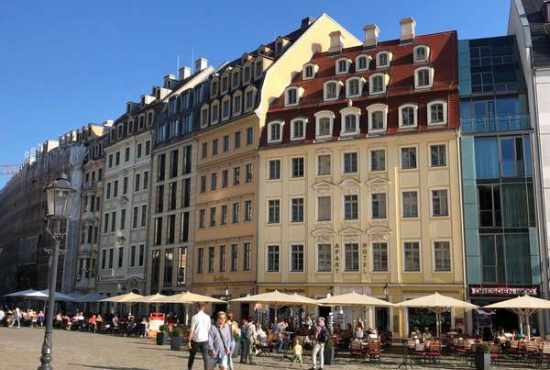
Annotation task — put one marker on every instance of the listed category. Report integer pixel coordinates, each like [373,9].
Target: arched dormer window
[247,73]
[437,113]
[224,82]
[215,112]
[226,107]
[235,78]
[249,98]
[350,118]
[383,59]
[205,115]
[292,96]
[408,115]
[214,86]
[309,71]
[342,65]
[378,83]
[298,128]
[331,90]
[421,54]
[423,77]
[258,68]
[324,122]
[378,118]
[354,87]
[275,132]
[237,103]
[362,62]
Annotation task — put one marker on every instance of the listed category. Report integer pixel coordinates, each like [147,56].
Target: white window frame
[390,57]
[357,156]
[268,167]
[226,98]
[314,69]
[415,58]
[377,108]
[367,57]
[430,105]
[371,208]
[269,138]
[317,164]
[361,84]
[343,205]
[385,159]
[255,70]
[450,256]
[215,103]
[324,114]
[267,271]
[430,154]
[233,105]
[317,196]
[414,106]
[401,158]
[437,217]
[253,90]
[287,90]
[267,211]
[290,270]
[206,108]
[344,259]
[385,79]
[250,76]
[420,267]
[304,210]
[317,259]
[337,66]
[430,75]
[292,133]
[236,71]
[350,111]
[418,210]
[213,93]
[372,270]
[338,87]
[226,74]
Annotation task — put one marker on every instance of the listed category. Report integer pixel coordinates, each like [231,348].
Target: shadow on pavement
[110,367]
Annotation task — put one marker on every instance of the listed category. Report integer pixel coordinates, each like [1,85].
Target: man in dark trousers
[198,337]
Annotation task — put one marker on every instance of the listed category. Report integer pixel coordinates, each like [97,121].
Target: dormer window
[331,90]
[421,54]
[350,121]
[236,79]
[291,96]
[383,59]
[226,107]
[237,103]
[204,116]
[247,73]
[150,117]
[408,115]
[215,112]
[378,118]
[249,96]
[274,132]
[298,128]
[423,78]
[214,88]
[437,113]
[362,63]
[225,84]
[377,83]
[323,124]
[354,87]
[342,65]
[309,71]
[258,69]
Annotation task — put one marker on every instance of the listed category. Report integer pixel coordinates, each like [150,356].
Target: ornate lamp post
[59,197]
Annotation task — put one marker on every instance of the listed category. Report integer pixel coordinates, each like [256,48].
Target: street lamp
[228,298]
[387,291]
[59,197]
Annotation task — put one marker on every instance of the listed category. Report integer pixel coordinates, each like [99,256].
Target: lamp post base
[46,358]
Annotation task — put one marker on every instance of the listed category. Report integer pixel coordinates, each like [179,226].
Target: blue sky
[64,64]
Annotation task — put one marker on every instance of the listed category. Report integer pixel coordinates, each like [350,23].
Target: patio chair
[420,352]
[433,352]
[374,352]
[495,354]
[534,354]
[356,348]
[545,355]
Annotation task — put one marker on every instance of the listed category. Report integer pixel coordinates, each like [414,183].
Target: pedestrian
[236,336]
[199,336]
[16,317]
[2,316]
[249,341]
[220,343]
[297,351]
[320,337]
[41,318]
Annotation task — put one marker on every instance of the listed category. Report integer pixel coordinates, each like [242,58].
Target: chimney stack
[168,81]
[336,42]
[306,22]
[200,64]
[407,30]
[184,72]
[371,36]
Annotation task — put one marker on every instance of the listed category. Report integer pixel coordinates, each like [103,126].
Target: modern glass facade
[501,235]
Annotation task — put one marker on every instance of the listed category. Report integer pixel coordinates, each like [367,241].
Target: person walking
[220,342]
[41,318]
[2,316]
[16,317]
[297,350]
[199,336]
[249,340]
[320,337]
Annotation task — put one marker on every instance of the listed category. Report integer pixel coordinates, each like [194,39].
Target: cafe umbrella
[187,298]
[122,298]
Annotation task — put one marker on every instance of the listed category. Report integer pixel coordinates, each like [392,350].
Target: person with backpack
[320,337]
[249,341]
[220,342]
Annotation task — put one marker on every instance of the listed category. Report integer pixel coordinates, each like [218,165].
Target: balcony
[496,123]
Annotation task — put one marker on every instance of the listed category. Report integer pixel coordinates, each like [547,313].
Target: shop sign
[503,291]
[286,290]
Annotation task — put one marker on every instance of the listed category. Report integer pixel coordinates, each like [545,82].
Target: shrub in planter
[329,352]
[482,357]
[162,335]
[175,339]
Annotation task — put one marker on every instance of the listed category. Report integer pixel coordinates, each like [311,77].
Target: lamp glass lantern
[58,197]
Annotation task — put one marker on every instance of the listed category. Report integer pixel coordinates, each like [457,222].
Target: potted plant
[329,352]
[175,339]
[162,335]
[482,357]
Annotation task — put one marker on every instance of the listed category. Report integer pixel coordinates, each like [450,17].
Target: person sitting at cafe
[416,334]
[359,333]
[426,335]
[517,336]
[500,337]
[92,322]
[372,334]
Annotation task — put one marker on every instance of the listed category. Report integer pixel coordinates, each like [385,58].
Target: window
[213,181]
[273,211]
[215,147]
[247,257]
[410,204]
[226,110]
[147,147]
[236,212]
[157,237]
[122,219]
[378,160]
[438,155]
[258,69]
[350,121]
[412,256]
[323,126]
[324,212]
[249,100]
[323,164]
[408,115]
[202,216]
[203,184]
[351,251]
[222,258]
[247,210]
[298,129]
[423,77]
[137,181]
[115,189]
[439,203]
[225,143]
[171,232]
[215,112]
[350,162]
[236,79]
[351,207]
[246,73]
[275,132]
[204,147]
[200,260]
[141,257]
[383,59]
[143,215]
[342,65]
[113,221]
[184,227]
[308,71]
[225,84]
[237,103]
[274,169]
[377,84]
[442,256]
[234,257]
[362,62]
[212,216]
[160,198]
[204,116]
[249,136]
[145,180]
[210,259]
[331,90]
[237,140]
[248,173]
[297,258]
[214,87]
[490,212]
[126,154]
[125,185]
[377,117]
[437,113]
[324,258]
[236,175]
[420,54]
[354,87]
[139,150]
[291,96]
[223,216]
[117,158]
[378,206]
[225,177]
[408,158]
[379,257]
[297,167]
[111,257]
[135,214]
[272,258]
[297,210]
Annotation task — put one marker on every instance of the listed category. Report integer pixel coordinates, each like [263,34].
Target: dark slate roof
[539,36]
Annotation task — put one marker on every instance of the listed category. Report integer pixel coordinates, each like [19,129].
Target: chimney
[371,36]
[168,80]
[336,42]
[200,64]
[306,22]
[407,30]
[184,72]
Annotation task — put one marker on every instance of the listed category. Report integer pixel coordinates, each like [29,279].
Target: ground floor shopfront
[227,290]
[399,321]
